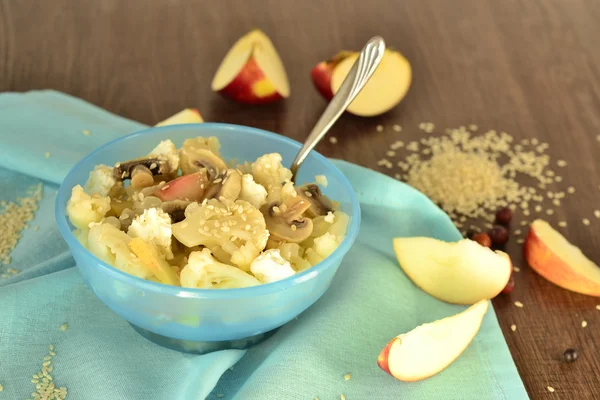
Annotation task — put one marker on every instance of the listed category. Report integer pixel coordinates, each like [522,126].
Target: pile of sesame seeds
[470,175]
[45,388]
[14,217]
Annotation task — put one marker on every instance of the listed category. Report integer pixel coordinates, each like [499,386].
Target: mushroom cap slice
[193,159]
[319,203]
[157,166]
[175,209]
[227,186]
[285,220]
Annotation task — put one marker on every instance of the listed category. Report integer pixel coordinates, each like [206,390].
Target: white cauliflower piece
[252,192]
[112,246]
[326,236]
[154,226]
[329,218]
[270,266]
[203,271]
[268,171]
[234,231]
[167,151]
[101,180]
[84,209]
[321,180]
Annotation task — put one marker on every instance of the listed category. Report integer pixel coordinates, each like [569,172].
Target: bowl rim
[63,194]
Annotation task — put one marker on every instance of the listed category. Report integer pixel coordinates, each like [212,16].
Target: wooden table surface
[527,67]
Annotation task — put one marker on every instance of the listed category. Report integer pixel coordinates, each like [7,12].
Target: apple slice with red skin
[384,90]
[552,256]
[187,187]
[185,116]
[431,347]
[252,72]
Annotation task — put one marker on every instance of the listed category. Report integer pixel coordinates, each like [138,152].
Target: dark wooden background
[528,67]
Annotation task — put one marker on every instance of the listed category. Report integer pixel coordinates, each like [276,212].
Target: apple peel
[553,257]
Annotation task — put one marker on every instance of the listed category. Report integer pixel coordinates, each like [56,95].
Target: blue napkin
[99,356]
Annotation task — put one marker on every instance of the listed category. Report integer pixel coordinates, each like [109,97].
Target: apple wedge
[431,347]
[252,72]
[462,272]
[553,257]
[151,259]
[186,116]
[386,88]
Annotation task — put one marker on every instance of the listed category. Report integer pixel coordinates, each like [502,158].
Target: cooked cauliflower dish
[185,217]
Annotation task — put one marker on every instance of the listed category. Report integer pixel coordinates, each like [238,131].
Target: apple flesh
[384,90]
[252,72]
[462,272]
[431,347]
[186,116]
[553,257]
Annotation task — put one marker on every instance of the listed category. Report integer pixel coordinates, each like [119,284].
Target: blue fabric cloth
[100,356]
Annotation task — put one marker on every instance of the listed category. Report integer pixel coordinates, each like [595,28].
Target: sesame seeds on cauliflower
[84,209]
[270,173]
[203,271]
[234,229]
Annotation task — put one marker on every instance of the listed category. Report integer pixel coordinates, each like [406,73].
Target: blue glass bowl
[201,320]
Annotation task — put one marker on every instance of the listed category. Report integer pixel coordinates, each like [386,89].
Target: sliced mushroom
[285,220]
[156,166]
[193,159]
[228,186]
[319,203]
[175,209]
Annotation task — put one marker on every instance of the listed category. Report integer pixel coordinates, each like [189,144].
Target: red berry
[510,286]
[483,239]
[499,235]
[504,216]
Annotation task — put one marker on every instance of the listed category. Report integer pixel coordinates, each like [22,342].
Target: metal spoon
[367,62]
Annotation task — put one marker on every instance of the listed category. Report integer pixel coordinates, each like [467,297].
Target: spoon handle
[359,74]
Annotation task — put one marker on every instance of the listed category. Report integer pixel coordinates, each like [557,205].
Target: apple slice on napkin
[462,272]
[431,347]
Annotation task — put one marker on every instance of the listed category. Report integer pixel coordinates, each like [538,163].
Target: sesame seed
[518,304]
[347,377]
[397,128]
[333,140]
[1,388]
[524,223]
[556,202]
[538,208]
[342,397]
[513,327]
[585,221]
[517,232]
[561,163]
[473,127]
[562,224]
[550,389]
[549,211]
[293,227]
[64,327]
[598,307]
[47,154]
[14,217]
[86,132]
[571,190]
[597,213]
[520,241]
[526,213]
[390,153]
[379,128]
[516,269]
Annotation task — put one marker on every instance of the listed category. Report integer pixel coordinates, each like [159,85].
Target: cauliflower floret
[326,236]
[253,192]
[270,266]
[154,226]
[321,180]
[203,271]
[167,150]
[268,171]
[234,231]
[112,246]
[101,180]
[84,209]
